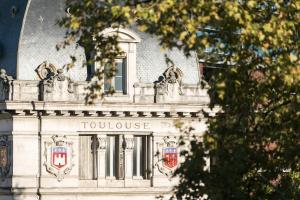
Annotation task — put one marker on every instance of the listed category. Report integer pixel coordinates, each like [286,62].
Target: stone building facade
[54,146]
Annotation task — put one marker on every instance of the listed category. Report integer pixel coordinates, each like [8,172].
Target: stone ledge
[77,191]
[65,109]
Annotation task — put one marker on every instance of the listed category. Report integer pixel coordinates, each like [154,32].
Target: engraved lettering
[146,125]
[84,124]
[93,125]
[102,125]
[118,125]
[109,126]
[137,125]
[128,125]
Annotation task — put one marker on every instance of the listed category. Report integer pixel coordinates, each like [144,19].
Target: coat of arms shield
[59,156]
[4,156]
[170,157]
[167,157]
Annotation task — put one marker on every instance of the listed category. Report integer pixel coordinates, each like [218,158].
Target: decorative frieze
[115,114]
[183,114]
[107,113]
[23,112]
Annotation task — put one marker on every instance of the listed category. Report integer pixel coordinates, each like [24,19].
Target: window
[114,157]
[140,158]
[95,156]
[88,157]
[118,82]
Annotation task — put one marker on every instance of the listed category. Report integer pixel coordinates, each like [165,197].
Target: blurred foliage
[254,140]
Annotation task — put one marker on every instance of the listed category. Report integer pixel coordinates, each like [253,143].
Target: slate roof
[29,38]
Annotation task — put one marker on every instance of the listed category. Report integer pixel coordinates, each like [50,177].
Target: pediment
[124,35]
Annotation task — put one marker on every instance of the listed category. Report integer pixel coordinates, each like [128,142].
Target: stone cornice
[103,110]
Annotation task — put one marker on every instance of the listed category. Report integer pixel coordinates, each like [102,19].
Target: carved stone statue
[5,82]
[169,87]
[45,70]
[58,87]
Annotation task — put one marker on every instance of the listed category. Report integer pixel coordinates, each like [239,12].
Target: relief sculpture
[168,155]
[58,87]
[169,87]
[4,156]
[5,82]
[59,156]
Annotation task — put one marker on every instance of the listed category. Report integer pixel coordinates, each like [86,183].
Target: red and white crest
[59,156]
[170,157]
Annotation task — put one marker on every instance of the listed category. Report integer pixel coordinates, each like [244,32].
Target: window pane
[134,156]
[119,67]
[119,84]
[140,156]
[119,80]
[110,156]
[107,84]
[86,164]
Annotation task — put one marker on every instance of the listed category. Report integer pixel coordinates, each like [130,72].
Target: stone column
[129,158]
[101,159]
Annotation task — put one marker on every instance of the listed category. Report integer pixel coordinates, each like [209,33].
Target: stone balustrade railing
[61,88]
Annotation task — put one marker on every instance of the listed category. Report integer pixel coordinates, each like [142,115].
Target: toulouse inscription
[115,125]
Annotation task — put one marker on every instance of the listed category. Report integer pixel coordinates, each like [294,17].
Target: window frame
[119,180]
[124,77]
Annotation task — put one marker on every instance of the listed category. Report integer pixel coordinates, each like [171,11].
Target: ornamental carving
[168,155]
[4,156]
[5,84]
[129,143]
[102,143]
[58,87]
[58,81]
[59,155]
[45,70]
[169,85]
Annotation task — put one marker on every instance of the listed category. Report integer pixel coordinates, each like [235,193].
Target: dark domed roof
[30,37]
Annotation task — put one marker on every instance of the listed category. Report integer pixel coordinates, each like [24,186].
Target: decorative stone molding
[45,70]
[58,87]
[168,155]
[169,86]
[93,113]
[102,142]
[4,156]
[124,35]
[5,85]
[129,143]
[59,155]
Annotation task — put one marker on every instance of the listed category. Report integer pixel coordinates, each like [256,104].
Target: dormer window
[125,76]
[119,81]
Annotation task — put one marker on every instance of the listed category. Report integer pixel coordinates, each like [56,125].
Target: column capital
[129,141]
[102,142]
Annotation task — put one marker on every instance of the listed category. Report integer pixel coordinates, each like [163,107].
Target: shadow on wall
[6,156]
